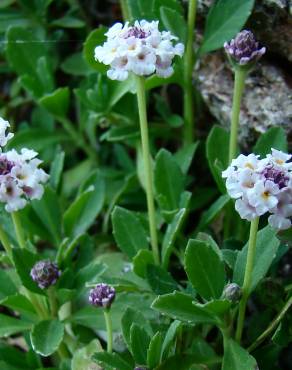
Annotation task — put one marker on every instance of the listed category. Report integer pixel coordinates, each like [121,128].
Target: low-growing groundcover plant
[126,242]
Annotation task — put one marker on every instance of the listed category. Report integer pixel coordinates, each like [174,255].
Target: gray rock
[267,99]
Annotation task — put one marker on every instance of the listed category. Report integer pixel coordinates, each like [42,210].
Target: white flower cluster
[262,186]
[141,49]
[20,177]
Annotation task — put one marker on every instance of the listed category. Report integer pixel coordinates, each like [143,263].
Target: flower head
[244,49]
[262,186]
[45,273]
[102,295]
[141,49]
[20,178]
[141,368]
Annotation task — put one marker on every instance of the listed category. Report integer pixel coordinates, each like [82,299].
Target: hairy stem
[188,70]
[271,327]
[109,329]
[18,229]
[247,276]
[240,76]
[147,166]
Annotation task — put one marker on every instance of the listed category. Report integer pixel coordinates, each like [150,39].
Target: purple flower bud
[232,292]
[102,295]
[45,273]
[244,49]
[141,368]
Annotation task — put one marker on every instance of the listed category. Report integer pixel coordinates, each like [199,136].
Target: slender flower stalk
[189,132]
[147,165]
[18,229]
[239,82]
[109,329]
[271,327]
[5,242]
[247,276]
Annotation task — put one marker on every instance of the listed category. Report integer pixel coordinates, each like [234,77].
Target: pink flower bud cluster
[262,186]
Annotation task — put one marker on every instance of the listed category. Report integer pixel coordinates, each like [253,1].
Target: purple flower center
[276,175]
[137,32]
[5,165]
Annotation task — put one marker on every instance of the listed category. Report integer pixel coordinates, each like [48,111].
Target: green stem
[240,76]
[109,329]
[147,165]
[53,301]
[188,71]
[247,276]
[18,229]
[5,242]
[125,10]
[271,327]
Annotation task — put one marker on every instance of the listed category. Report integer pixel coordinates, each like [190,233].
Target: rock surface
[267,99]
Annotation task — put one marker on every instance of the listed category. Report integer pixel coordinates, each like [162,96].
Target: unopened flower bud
[141,368]
[45,273]
[102,295]
[232,292]
[244,49]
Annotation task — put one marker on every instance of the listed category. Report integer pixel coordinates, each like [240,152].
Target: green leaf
[122,133]
[225,19]
[36,139]
[129,317]
[22,305]
[57,103]
[154,350]
[266,248]
[82,358]
[24,260]
[23,52]
[236,357]
[217,307]
[211,213]
[9,325]
[140,262]
[168,181]
[75,65]
[160,280]
[139,343]
[94,39]
[169,338]
[128,232]
[84,210]
[217,154]
[49,213]
[275,138]
[46,336]
[171,234]
[181,362]
[118,89]
[7,286]
[205,269]
[174,22]
[180,306]
[185,156]
[68,22]
[111,361]
[56,170]
[172,4]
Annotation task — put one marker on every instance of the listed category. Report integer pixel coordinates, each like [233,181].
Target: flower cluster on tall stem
[141,49]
